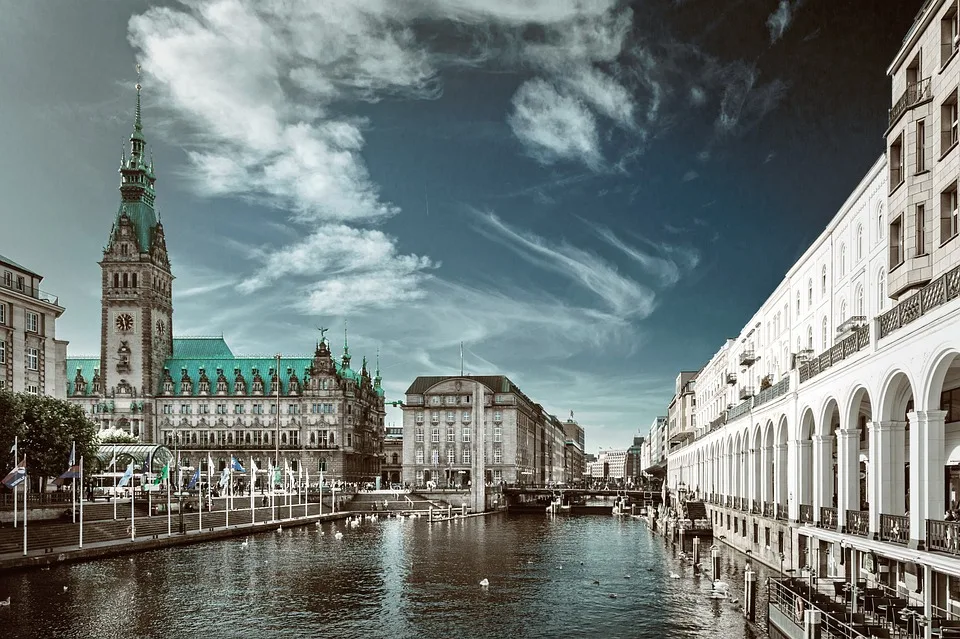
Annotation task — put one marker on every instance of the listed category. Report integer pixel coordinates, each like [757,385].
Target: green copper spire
[346,347]
[376,377]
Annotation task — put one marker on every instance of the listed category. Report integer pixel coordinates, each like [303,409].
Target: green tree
[47,428]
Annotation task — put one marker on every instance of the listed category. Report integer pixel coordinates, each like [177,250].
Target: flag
[224,478]
[72,473]
[113,462]
[127,476]
[13,449]
[16,476]
[73,455]
[235,464]
[164,474]
[194,479]
[253,468]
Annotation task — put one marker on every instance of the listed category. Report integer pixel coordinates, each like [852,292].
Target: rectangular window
[419,455]
[419,434]
[921,148]
[497,434]
[435,400]
[948,34]
[466,417]
[435,457]
[896,162]
[451,456]
[948,123]
[498,476]
[184,409]
[435,435]
[466,435]
[3,384]
[451,435]
[920,229]
[238,409]
[3,313]
[221,409]
[451,416]
[3,352]
[497,456]
[7,279]
[32,359]
[33,323]
[948,213]
[19,282]
[451,399]
[497,416]
[896,242]
[419,416]
[33,389]
[465,456]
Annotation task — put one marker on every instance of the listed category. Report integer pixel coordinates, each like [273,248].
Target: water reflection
[395,579]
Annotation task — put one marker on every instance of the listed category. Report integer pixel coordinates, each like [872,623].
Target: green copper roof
[6,260]
[86,366]
[246,365]
[201,348]
[144,220]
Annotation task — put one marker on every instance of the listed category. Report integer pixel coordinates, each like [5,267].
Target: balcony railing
[768,509]
[746,392]
[748,357]
[943,536]
[772,392]
[718,422]
[935,294]
[858,522]
[736,503]
[895,528]
[915,93]
[29,291]
[828,517]
[836,353]
[731,378]
[806,514]
[740,409]
[781,512]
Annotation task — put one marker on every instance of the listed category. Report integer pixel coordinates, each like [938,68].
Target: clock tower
[136,303]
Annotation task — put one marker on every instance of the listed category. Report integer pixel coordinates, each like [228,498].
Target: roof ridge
[69,357]
[199,337]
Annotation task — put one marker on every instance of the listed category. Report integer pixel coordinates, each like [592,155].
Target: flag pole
[273,503]
[321,491]
[228,502]
[306,492]
[169,517]
[15,488]
[81,501]
[200,494]
[26,484]
[73,484]
[286,467]
[116,497]
[253,480]
[133,514]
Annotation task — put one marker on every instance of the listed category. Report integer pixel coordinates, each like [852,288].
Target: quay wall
[772,537]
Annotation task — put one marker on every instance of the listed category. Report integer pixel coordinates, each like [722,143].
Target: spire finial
[346,349]
[137,125]
[378,361]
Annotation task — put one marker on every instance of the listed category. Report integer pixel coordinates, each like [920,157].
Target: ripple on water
[395,579]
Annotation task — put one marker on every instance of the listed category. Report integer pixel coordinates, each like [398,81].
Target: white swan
[246,542]
[484,582]
[5,602]
[674,575]
[339,535]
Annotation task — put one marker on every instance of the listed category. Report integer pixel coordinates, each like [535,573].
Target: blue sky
[591,195]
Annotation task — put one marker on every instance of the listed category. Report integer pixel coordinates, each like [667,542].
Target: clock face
[124,322]
[160,327]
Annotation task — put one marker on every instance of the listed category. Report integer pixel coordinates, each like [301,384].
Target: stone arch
[780,462]
[896,396]
[756,462]
[768,451]
[829,417]
[943,375]
[804,495]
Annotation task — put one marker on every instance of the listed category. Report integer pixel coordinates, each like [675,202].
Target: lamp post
[782,557]
[176,440]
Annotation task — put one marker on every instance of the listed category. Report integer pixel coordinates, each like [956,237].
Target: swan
[721,585]
[5,602]
[674,575]
[626,576]
[484,582]
[613,595]
[339,535]
[596,582]
[65,588]
[246,542]
[280,529]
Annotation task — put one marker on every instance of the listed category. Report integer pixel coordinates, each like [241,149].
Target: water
[391,579]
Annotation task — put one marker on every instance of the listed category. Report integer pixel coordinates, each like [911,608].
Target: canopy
[153,455]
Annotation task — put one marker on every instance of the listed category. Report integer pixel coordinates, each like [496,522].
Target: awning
[657,470]
[154,456]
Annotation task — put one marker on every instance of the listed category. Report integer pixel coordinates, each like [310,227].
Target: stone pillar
[848,473]
[926,472]
[766,472]
[478,491]
[780,474]
[928,589]
[795,475]
[885,473]
[752,476]
[822,474]
[803,475]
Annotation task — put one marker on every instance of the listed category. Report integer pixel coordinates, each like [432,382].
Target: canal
[395,578]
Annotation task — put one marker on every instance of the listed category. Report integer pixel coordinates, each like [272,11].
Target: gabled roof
[6,260]
[300,366]
[86,366]
[496,383]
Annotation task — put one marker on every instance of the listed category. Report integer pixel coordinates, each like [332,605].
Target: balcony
[29,291]
[859,340]
[768,509]
[895,528]
[746,392]
[748,357]
[731,379]
[772,392]
[935,294]
[718,422]
[828,518]
[916,92]
[858,522]
[806,514]
[943,536]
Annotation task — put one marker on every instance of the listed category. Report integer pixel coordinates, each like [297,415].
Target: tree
[46,428]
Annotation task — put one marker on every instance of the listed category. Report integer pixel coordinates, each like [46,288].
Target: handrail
[935,294]
[859,340]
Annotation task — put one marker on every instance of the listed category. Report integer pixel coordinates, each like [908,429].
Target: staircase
[696,510]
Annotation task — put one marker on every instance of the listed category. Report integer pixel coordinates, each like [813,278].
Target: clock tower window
[126,281]
[134,280]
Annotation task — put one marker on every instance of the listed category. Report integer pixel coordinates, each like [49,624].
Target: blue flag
[235,464]
[194,480]
[16,476]
[127,476]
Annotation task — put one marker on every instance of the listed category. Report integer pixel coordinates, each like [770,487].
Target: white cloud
[690,176]
[667,266]
[554,126]
[779,20]
[624,297]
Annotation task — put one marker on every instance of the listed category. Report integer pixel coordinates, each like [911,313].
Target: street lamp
[176,439]
[782,557]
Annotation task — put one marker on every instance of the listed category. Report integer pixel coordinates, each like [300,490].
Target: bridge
[580,499]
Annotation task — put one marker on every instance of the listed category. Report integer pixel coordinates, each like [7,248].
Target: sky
[590,195]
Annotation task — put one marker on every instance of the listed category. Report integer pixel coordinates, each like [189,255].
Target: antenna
[461,359]
[426,200]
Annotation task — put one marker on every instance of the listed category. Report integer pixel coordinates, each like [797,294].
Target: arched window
[859,242]
[786,315]
[810,337]
[843,312]
[809,294]
[881,290]
[843,260]
[823,280]
[823,333]
[879,222]
[858,301]
[395,459]
[798,303]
